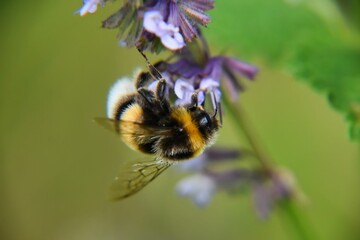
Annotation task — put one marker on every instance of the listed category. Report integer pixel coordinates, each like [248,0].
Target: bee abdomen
[178,147]
[148,148]
[180,155]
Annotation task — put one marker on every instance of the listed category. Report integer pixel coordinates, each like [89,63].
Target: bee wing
[128,126]
[112,124]
[136,176]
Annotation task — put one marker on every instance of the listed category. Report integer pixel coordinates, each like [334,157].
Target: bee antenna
[143,54]
[216,105]
[153,71]
[220,113]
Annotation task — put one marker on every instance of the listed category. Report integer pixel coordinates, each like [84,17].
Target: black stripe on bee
[123,106]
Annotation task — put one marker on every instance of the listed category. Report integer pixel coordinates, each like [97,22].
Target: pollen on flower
[90,6]
[168,33]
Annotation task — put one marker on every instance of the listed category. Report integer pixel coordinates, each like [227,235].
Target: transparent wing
[136,176]
[128,128]
[114,125]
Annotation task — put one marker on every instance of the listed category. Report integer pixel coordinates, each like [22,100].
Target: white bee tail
[122,87]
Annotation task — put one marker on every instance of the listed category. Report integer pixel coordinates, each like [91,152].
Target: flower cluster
[151,24]
[266,187]
[204,74]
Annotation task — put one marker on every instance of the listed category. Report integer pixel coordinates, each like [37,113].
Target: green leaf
[333,68]
[311,39]
[258,27]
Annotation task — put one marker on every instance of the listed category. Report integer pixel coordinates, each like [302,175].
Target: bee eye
[204,120]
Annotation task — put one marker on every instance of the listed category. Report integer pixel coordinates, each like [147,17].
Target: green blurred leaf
[309,37]
[351,11]
[333,68]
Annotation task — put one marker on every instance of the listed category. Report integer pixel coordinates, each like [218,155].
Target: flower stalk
[288,209]
[243,128]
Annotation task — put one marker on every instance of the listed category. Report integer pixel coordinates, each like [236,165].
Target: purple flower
[278,186]
[206,77]
[202,186]
[188,15]
[184,90]
[152,24]
[267,188]
[227,69]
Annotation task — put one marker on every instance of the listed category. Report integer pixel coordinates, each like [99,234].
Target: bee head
[208,125]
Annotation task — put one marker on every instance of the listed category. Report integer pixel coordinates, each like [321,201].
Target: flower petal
[201,97]
[171,42]
[263,199]
[182,88]
[197,164]
[208,84]
[90,6]
[168,33]
[245,69]
[200,188]
[152,19]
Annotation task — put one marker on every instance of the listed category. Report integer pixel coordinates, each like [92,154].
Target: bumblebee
[147,122]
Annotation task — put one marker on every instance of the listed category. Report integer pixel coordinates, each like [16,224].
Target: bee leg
[160,89]
[142,79]
[216,106]
[153,70]
[220,113]
[160,95]
[148,96]
[194,99]
[161,66]
[155,73]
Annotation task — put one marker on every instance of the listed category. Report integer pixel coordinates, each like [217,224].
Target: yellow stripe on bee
[132,113]
[130,132]
[196,139]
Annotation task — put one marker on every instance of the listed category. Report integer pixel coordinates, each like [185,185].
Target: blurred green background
[57,165]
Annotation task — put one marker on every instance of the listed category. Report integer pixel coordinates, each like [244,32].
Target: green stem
[288,209]
[243,128]
[295,221]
